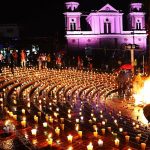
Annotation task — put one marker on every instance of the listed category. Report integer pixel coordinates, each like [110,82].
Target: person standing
[15,58]
[1,59]
[23,58]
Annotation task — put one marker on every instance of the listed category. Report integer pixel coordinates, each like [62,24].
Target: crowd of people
[19,58]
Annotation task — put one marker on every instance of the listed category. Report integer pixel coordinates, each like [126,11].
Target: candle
[35,118]
[77,127]
[81,118]
[28,104]
[127,137]
[103,123]
[23,111]
[45,124]
[57,131]
[80,134]
[46,117]
[77,120]
[90,146]
[69,111]
[23,123]
[50,141]
[103,131]
[90,121]
[62,126]
[143,146]
[69,116]
[70,148]
[100,143]
[137,138]
[15,117]
[94,119]
[121,129]
[70,137]
[109,129]
[62,120]
[95,134]
[34,132]
[117,142]
[39,113]
[137,126]
[34,141]
[51,119]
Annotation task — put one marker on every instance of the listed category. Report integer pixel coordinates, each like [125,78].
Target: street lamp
[131,47]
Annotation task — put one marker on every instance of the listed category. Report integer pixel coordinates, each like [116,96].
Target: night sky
[35,15]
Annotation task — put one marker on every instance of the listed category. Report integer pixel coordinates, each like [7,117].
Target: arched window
[72,25]
[107,26]
[138,25]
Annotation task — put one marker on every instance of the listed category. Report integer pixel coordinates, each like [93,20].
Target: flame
[141,91]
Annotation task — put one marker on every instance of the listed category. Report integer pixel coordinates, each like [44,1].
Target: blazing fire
[141,90]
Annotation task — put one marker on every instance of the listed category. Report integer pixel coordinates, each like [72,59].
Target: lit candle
[35,118]
[69,111]
[34,132]
[143,146]
[57,131]
[70,137]
[23,123]
[69,116]
[121,129]
[15,117]
[62,120]
[90,146]
[137,138]
[117,142]
[90,121]
[39,113]
[45,124]
[127,138]
[77,120]
[103,131]
[28,104]
[95,133]
[80,134]
[62,126]
[109,129]
[46,117]
[81,118]
[77,127]
[100,143]
[50,141]
[51,119]
[94,119]
[70,148]
[23,111]
[103,123]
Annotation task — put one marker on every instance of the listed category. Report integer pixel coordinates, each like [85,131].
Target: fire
[141,92]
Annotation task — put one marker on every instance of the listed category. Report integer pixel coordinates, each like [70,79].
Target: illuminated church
[105,27]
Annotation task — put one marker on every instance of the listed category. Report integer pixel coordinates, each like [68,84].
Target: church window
[72,25]
[138,25]
[107,26]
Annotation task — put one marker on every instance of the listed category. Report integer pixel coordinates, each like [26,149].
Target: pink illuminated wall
[106,27]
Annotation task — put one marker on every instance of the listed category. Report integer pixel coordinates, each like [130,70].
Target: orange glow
[141,88]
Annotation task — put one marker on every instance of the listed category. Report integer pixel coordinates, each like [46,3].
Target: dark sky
[36,15]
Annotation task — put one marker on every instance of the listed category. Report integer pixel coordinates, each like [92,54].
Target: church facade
[106,28]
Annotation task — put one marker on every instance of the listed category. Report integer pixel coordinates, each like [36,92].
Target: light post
[131,47]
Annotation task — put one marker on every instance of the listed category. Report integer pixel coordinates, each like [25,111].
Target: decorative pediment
[108,8]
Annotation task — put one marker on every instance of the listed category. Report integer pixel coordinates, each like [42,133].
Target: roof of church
[108,8]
